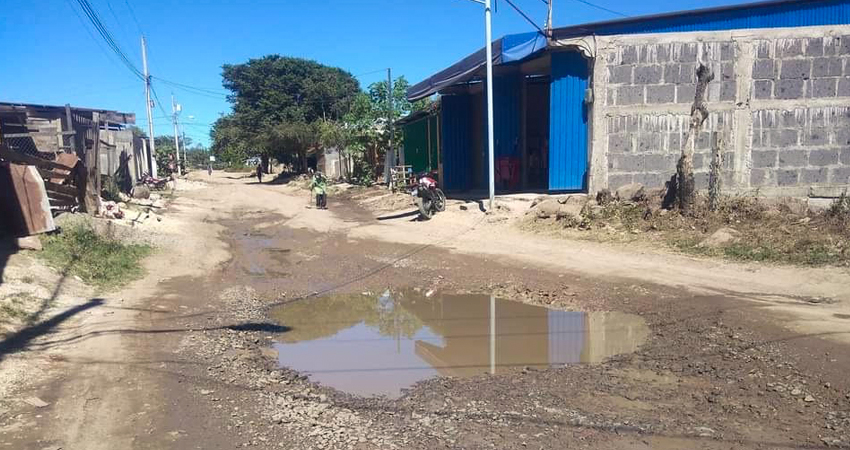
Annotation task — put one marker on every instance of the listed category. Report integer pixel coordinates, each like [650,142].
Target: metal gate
[568,116]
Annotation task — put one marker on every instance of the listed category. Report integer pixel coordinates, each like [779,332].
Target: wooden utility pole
[175,108]
[390,110]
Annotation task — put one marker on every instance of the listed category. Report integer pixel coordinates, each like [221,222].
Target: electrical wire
[97,41]
[525,16]
[593,5]
[205,92]
[104,33]
[133,15]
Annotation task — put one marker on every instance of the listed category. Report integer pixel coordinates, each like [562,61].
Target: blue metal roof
[769,14]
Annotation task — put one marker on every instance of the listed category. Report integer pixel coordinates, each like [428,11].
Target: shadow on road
[19,340]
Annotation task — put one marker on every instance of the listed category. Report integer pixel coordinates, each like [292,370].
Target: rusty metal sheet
[24,200]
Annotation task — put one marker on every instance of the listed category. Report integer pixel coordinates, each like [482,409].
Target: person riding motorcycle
[319,186]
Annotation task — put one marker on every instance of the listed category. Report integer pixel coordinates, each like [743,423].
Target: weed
[27,279]
[98,260]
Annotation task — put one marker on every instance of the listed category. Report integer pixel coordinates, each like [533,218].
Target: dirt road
[737,356]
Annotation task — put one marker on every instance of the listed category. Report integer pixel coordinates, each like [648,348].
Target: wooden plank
[43,133]
[62,188]
[59,203]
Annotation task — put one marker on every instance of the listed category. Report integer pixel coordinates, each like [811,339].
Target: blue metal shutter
[456,152]
[568,123]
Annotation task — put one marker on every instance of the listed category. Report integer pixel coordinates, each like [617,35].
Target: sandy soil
[741,356]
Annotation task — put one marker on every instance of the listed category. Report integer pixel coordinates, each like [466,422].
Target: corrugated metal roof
[767,14]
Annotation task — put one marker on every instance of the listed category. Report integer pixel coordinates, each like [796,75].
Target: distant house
[600,105]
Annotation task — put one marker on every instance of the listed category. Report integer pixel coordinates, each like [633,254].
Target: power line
[97,41]
[593,5]
[205,92]
[369,73]
[104,33]
[133,15]
[602,8]
[525,16]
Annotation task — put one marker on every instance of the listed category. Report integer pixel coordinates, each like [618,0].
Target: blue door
[568,122]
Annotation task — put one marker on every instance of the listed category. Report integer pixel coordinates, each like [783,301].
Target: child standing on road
[319,187]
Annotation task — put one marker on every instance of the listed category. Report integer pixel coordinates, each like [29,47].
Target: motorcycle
[429,198]
[153,183]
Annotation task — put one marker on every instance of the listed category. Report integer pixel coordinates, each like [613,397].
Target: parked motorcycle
[429,198]
[153,183]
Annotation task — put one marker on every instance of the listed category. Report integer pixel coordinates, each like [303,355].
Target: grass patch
[97,260]
[15,307]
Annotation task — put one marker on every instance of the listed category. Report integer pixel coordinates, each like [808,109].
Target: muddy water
[381,344]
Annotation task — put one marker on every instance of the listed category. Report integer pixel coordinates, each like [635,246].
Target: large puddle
[379,345]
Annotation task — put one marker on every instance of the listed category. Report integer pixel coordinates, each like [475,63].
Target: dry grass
[767,231]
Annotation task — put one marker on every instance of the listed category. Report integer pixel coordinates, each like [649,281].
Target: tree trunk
[686,188]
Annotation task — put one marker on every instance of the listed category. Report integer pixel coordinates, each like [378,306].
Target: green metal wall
[416,146]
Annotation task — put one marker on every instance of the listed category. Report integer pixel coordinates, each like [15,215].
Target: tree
[278,102]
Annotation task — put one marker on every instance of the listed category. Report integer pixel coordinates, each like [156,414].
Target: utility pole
[490,145]
[174,110]
[152,147]
[390,111]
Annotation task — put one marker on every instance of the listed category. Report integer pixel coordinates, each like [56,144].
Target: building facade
[602,105]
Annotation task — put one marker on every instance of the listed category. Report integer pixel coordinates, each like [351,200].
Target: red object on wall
[507,172]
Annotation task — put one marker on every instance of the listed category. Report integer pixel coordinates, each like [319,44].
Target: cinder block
[789,48]
[727,72]
[688,53]
[627,163]
[762,89]
[728,161]
[814,47]
[671,73]
[701,180]
[787,177]
[630,95]
[619,143]
[674,142]
[620,74]
[764,49]
[796,69]
[845,157]
[662,53]
[685,93]
[728,91]
[815,176]
[815,136]
[619,180]
[844,87]
[827,67]
[762,177]
[842,137]
[650,180]
[703,140]
[688,73]
[764,158]
[791,119]
[789,89]
[662,93]
[649,142]
[629,55]
[611,97]
[764,69]
[783,138]
[727,51]
[759,139]
[823,157]
[650,74]
[844,47]
[699,161]
[793,158]
[840,175]
[824,87]
[660,163]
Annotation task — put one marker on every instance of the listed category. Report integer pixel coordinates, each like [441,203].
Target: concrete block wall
[778,107]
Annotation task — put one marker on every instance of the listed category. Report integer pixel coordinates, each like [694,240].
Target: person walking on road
[259,173]
[319,186]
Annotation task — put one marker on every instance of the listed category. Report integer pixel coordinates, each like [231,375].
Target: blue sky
[51,54]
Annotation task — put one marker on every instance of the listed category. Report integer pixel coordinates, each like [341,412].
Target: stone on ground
[720,237]
[29,243]
[633,192]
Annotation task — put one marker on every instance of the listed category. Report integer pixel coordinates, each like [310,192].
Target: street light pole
[490,146]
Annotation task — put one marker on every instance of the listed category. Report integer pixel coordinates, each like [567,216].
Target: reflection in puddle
[369,346]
